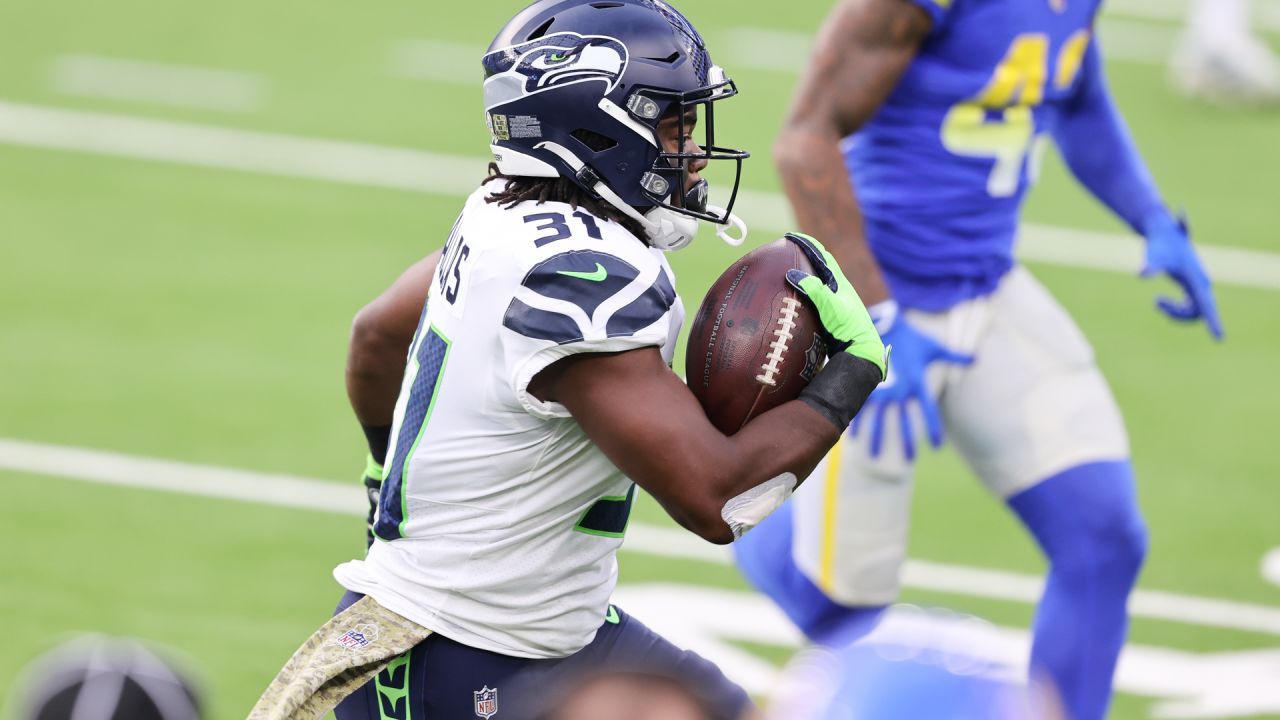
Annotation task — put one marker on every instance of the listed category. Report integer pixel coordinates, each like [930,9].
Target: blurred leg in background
[1222,60]
[1086,521]
[766,558]
[1037,422]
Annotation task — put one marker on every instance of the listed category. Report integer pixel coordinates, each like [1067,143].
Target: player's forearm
[794,437]
[791,438]
[1097,146]
[375,367]
[648,422]
[774,452]
[817,183]
[782,445]
[380,339]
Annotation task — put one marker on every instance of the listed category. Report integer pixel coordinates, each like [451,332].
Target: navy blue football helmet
[576,88]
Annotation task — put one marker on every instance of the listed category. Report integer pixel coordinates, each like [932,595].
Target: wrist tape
[840,389]
[379,438]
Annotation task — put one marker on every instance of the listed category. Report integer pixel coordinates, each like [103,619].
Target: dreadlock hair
[540,190]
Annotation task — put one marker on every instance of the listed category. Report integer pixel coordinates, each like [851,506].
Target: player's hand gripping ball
[753,344]
[915,352]
[756,343]
[843,317]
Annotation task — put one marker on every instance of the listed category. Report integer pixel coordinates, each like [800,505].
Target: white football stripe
[158,83]
[348,499]
[417,170]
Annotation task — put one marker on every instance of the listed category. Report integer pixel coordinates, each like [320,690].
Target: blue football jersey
[942,168]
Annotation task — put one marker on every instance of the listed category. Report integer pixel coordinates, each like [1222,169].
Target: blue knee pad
[765,559]
[1087,521]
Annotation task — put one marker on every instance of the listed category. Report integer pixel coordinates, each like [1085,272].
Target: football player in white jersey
[538,388]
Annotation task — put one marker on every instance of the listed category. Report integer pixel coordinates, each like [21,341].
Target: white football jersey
[499,520]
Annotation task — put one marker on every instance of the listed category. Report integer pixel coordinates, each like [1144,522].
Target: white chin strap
[664,229]
[733,221]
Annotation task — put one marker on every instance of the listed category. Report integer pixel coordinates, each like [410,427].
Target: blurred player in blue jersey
[909,147]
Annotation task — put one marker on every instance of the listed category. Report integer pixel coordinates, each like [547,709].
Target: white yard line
[994,584]
[1135,41]
[1128,35]
[158,83]
[1163,10]
[348,499]
[256,152]
[787,51]
[715,622]
[1266,13]
[416,170]
[439,61]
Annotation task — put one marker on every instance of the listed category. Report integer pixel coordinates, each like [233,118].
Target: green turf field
[199,314]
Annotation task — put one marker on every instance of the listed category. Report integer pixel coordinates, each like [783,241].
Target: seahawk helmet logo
[551,62]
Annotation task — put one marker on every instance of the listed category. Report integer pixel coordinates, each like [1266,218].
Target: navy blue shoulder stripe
[541,324]
[645,310]
[585,278]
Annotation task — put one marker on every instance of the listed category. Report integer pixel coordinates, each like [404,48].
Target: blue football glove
[913,353]
[1169,252]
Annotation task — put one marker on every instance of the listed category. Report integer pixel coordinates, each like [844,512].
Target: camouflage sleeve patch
[338,659]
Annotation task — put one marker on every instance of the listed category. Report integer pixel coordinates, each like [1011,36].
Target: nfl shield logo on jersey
[486,702]
[357,637]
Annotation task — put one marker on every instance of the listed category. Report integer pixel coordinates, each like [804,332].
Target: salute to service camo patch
[338,659]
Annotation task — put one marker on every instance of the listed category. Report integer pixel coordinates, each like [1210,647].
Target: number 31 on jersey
[998,123]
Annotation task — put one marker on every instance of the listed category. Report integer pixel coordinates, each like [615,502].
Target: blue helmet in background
[576,88]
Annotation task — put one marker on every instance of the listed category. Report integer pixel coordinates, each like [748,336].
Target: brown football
[754,343]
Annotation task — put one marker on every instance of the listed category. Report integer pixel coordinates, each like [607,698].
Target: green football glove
[843,316]
[373,473]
